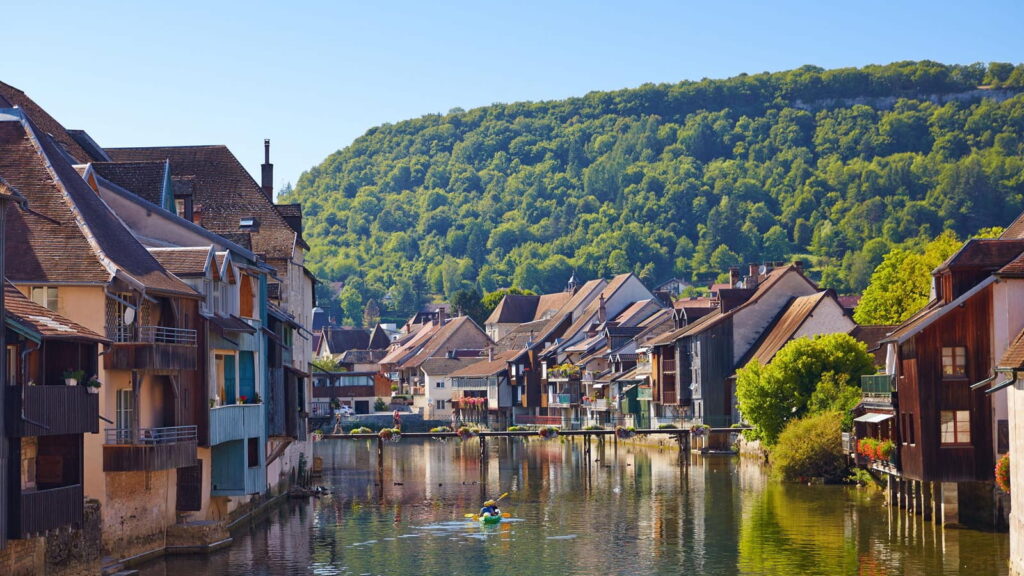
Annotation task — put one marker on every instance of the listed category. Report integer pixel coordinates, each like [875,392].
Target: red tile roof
[985,254]
[67,217]
[11,96]
[184,262]
[46,322]
[1013,358]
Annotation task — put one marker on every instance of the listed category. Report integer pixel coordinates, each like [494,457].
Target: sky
[314,75]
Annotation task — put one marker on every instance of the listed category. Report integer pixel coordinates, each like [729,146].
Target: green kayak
[487,519]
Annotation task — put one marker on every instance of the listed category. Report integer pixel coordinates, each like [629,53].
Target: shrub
[811,447]
[1003,473]
[379,405]
[593,427]
[440,429]
[517,428]
[361,430]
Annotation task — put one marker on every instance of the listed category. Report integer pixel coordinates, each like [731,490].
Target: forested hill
[686,179]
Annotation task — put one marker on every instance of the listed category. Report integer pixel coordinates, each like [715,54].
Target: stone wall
[62,553]
[139,508]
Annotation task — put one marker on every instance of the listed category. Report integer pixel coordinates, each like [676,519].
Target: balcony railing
[136,449]
[155,348]
[563,400]
[167,335]
[876,386]
[43,510]
[235,422]
[51,410]
[598,404]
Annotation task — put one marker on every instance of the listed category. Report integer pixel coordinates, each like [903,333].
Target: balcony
[418,390]
[43,510]
[155,348]
[876,387]
[235,422]
[563,400]
[51,410]
[149,449]
[598,404]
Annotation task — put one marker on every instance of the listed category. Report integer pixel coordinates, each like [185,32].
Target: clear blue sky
[314,75]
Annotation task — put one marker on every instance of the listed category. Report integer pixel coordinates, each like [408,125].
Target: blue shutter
[246,375]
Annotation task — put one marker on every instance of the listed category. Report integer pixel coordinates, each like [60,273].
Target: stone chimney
[442,315]
[602,312]
[734,276]
[268,172]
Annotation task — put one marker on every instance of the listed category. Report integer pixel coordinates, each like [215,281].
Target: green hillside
[686,179]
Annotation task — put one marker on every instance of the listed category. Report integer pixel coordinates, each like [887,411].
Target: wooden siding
[922,393]
[142,457]
[235,422]
[716,366]
[51,410]
[151,356]
[42,510]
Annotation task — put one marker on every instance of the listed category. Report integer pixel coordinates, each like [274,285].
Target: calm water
[635,511]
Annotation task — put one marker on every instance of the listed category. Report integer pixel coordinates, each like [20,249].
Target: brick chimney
[442,315]
[734,276]
[197,214]
[268,172]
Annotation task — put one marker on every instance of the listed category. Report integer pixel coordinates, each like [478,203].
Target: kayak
[488,519]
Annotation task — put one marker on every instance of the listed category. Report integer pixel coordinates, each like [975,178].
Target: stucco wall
[750,322]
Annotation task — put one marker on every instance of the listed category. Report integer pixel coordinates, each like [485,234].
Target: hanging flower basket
[548,432]
[317,435]
[361,430]
[625,432]
[1003,473]
[465,433]
[440,429]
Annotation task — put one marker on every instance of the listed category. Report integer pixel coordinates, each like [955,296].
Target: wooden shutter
[190,487]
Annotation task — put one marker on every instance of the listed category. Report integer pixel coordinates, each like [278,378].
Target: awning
[230,324]
[873,418]
[596,384]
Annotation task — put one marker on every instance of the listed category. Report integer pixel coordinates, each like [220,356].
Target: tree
[351,302]
[901,285]
[371,313]
[811,447]
[468,303]
[770,396]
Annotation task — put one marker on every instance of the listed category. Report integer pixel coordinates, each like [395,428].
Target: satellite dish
[129,316]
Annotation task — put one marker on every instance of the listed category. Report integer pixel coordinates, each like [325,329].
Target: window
[45,296]
[254,452]
[123,414]
[955,426]
[247,307]
[439,384]
[954,362]
[907,433]
[12,365]
[440,404]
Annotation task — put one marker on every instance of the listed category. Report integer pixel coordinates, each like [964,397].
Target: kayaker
[490,509]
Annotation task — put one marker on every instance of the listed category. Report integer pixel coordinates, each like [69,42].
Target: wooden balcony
[51,410]
[235,422]
[42,510]
[156,348]
[149,449]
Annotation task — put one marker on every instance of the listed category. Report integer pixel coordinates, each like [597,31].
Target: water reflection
[631,511]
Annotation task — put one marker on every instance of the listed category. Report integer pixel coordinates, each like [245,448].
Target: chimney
[197,214]
[799,265]
[754,270]
[268,172]
[490,354]
[442,315]
[734,276]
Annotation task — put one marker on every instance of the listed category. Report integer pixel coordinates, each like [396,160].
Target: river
[634,511]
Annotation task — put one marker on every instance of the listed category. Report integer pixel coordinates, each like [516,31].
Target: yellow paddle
[503,514]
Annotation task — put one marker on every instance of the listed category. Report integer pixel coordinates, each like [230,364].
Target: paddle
[498,499]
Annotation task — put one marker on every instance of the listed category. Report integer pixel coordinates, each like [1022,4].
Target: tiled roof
[514,308]
[1015,269]
[784,328]
[871,334]
[444,366]
[145,179]
[223,193]
[379,339]
[184,262]
[1013,358]
[47,323]
[485,367]
[360,356]
[67,217]
[933,311]
[11,96]
[592,309]
[342,339]
[985,253]
[1015,231]
[438,342]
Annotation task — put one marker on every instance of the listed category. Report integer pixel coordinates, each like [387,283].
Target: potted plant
[93,386]
[465,433]
[548,432]
[243,399]
[1003,473]
[71,377]
[256,399]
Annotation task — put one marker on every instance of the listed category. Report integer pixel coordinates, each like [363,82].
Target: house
[337,340]
[516,309]
[692,367]
[941,361]
[116,288]
[437,339]
[436,401]
[48,417]
[481,391]
[211,188]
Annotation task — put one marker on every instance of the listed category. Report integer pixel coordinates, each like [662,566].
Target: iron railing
[167,335]
[150,436]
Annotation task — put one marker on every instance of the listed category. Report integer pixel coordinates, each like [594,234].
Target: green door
[246,375]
